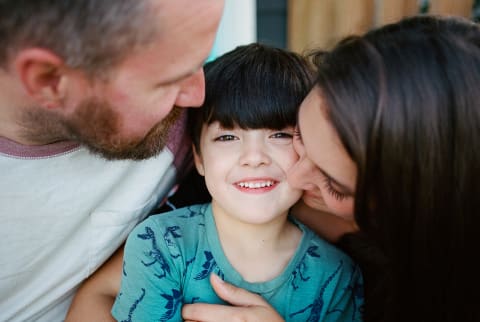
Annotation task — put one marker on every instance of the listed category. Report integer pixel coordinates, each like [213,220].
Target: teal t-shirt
[169,257]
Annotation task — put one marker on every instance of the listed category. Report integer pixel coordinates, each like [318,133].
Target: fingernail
[217,278]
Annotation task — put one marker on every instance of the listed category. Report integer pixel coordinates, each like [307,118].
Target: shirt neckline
[14,149]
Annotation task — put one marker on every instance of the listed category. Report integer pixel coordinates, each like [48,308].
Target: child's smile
[258,185]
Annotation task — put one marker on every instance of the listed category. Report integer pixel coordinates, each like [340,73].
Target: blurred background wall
[300,25]
[313,23]
[238,26]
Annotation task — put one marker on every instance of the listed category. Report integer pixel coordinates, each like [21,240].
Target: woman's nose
[300,173]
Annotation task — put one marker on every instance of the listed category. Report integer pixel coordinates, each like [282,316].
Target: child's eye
[225,137]
[332,191]
[281,135]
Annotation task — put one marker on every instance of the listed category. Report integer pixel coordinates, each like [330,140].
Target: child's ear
[198,161]
[41,72]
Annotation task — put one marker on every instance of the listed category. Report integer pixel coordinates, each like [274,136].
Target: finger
[234,295]
[200,312]
[207,312]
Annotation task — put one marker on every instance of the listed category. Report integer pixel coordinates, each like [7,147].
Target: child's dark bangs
[261,102]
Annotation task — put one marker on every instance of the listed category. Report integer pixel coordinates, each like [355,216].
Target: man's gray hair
[92,35]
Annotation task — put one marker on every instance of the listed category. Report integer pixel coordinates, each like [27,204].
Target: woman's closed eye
[297,134]
[332,191]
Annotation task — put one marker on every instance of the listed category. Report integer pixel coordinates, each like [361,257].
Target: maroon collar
[14,149]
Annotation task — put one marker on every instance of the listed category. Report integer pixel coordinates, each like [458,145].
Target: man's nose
[192,91]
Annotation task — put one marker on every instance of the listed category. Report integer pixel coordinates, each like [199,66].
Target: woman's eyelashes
[297,134]
[332,191]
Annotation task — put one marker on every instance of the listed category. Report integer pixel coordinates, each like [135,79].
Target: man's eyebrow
[345,189]
[183,76]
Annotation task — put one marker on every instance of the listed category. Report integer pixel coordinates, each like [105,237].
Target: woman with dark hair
[389,141]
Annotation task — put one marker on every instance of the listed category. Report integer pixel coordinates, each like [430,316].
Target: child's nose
[254,154]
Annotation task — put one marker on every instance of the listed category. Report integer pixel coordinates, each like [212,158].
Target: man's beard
[95,125]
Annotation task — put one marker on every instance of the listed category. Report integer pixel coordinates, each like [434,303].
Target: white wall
[237,27]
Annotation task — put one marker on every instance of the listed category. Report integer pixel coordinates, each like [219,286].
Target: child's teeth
[254,185]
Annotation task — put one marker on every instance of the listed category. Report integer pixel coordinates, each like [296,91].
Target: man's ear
[41,73]
[198,161]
